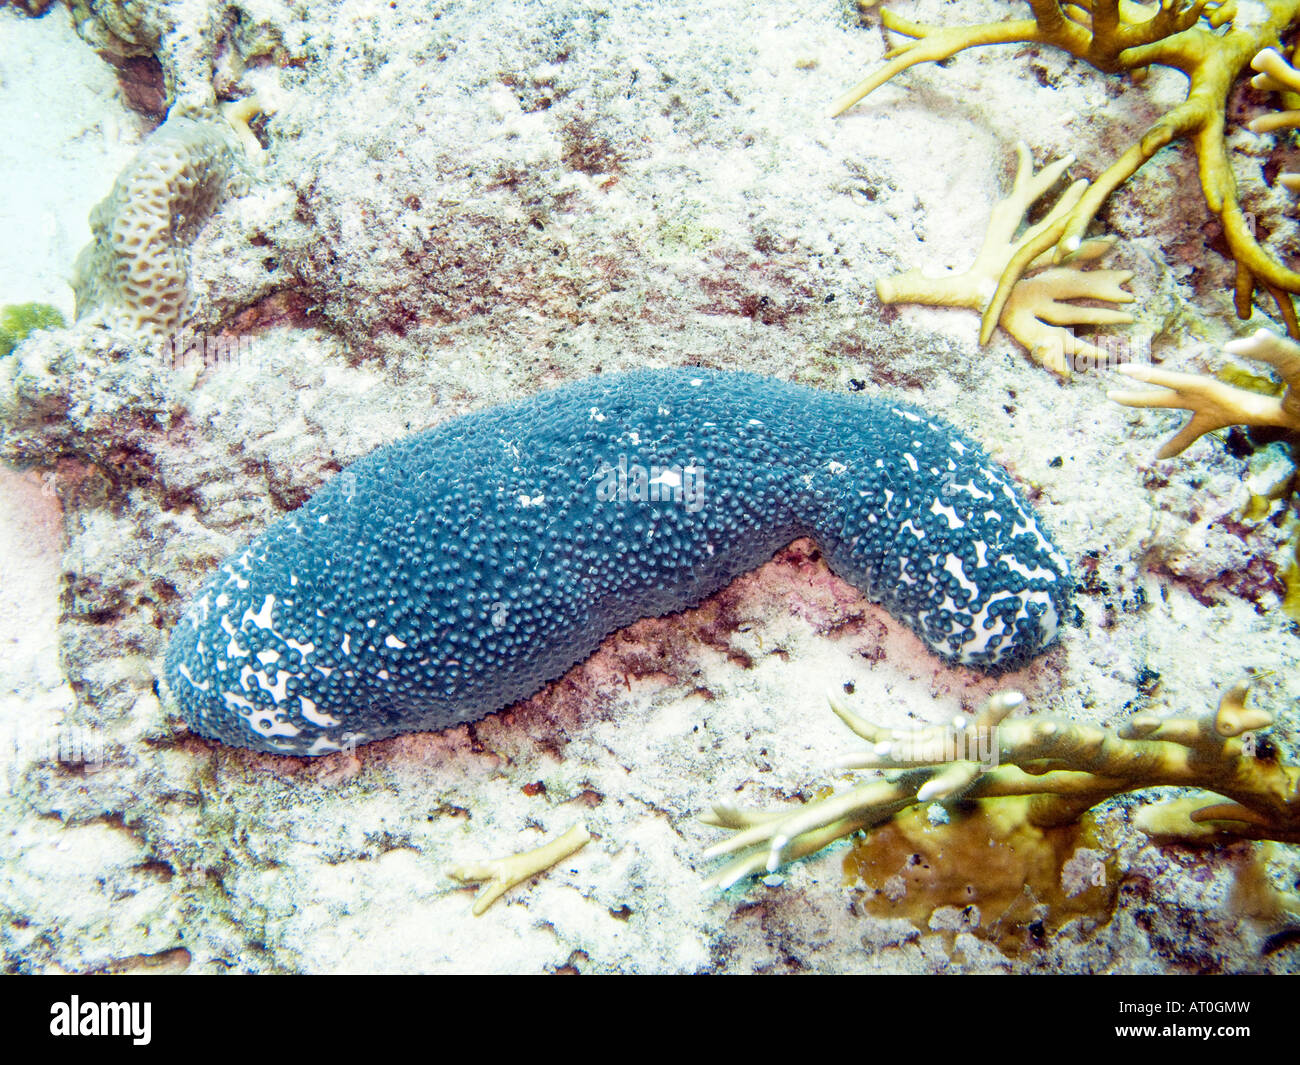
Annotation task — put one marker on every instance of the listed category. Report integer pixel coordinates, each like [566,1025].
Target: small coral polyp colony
[136,266]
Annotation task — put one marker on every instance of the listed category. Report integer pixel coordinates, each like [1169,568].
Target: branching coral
[499,875]
[1061,768]
[1277,75]
[1202,39]
[1037,307]
[1216,405]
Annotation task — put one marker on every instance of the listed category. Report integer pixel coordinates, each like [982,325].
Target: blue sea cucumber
[456,571]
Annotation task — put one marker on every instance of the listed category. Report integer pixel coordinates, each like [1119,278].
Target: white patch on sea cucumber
[906,414]
[277,691]
[983,635]
[952,564]
[596,416]
[186,674]
[268,656]
[303,649]
[383,675]
[346,645]
[836,467]
[315,716]
[392,641]
[233,648]
[669,477]
[526,501]
[911,461]
[320,745]
[269,724]
[696,382]
[954,522]
[1038,572]
[971,488]
[262,619]
[237,701]
[957,446]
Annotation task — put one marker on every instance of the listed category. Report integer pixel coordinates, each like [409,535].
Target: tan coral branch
[1216,405]
[1277,75]
[499,875]
[1063,767]
[1033,310]
[1199,39]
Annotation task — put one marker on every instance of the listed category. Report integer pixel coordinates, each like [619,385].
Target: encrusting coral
[1037,308]
[1216,405]
[1204,40]
[1057,768]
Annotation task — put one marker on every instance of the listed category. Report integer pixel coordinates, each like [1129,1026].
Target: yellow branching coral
[1216,405]
[1200,39]
[1037,308]
[1060,768]
[499,875]
[1277,75]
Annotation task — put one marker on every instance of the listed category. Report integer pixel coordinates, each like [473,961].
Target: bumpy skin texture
[454,572]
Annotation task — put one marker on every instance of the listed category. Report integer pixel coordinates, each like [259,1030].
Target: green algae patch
[19,320]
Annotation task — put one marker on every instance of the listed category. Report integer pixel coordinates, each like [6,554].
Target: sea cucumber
[451,573]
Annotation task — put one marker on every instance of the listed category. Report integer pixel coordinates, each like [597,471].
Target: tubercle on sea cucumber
[454,572]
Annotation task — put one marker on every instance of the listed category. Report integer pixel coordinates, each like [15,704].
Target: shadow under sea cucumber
[456,571]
